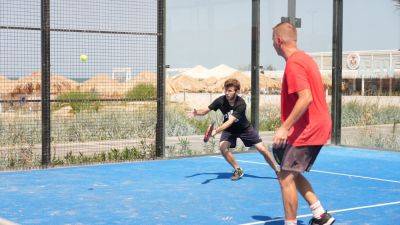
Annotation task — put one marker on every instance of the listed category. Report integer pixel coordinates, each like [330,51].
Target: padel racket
[208,132]
[277,152]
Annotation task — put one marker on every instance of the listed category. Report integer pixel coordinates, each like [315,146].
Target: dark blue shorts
[249,137]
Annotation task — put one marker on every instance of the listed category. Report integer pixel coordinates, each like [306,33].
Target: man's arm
[224,126]
[302,103]
[200,112]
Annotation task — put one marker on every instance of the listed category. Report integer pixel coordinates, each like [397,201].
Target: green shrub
[270,118]
[114,154]
[142,92]
[356,114]
[79,101]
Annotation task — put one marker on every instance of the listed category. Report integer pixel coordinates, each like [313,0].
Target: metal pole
[337,71]
[160,126]
[292,14]
[255,63]
[45,76]
[292,11]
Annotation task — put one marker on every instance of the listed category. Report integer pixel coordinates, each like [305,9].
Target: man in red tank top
[306,125]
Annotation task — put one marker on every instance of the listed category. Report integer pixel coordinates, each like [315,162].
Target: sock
[317,210]
[290,222]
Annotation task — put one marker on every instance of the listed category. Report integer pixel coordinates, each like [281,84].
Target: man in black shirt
[235,125]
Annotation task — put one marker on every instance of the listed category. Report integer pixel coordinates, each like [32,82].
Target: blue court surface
[358,186]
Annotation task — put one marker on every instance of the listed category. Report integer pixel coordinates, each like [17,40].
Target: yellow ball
[83,58]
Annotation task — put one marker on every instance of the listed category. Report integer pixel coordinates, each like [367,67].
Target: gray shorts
[297,159]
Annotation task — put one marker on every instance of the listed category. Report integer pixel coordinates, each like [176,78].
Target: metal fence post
[45,81]
[337,71]
[160,127]
[255,63]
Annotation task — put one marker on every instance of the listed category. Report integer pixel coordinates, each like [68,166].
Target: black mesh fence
[100,101]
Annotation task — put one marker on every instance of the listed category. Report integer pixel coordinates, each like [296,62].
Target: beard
[230,97]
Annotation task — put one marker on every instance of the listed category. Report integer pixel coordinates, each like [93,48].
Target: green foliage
[184,143]
[358,114]
[270,119]
[24,158]
[79,101]
[142,92]
[20,134]
[126,154]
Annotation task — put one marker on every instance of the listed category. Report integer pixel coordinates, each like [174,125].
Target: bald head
[286,32]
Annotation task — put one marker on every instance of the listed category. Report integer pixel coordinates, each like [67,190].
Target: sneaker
[237,174]
[326,219]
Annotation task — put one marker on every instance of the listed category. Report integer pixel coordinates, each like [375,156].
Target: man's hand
[277,170]
[192,113]
[280,137]
[214,132]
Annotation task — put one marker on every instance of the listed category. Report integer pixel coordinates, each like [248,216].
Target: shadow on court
[226,176]
[280,222]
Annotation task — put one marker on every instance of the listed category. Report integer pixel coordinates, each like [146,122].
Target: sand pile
[245,83]
[169,89]
[6,85]
[269,83]
[197,72]
[102,84]
[211,81]
[184,83]
[31,84]
[220,71]
[141,78]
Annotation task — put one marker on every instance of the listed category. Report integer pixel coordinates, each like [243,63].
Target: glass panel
[371,74]
[207,42]
[314,37]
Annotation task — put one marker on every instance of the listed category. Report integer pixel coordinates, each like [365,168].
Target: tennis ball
[83,58]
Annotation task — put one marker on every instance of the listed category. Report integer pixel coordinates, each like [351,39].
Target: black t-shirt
[238,110]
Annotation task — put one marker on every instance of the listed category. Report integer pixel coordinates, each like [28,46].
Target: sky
[212,32]
[198,32]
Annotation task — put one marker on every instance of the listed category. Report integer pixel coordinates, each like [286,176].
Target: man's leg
[320,216]
[224,148]
[289,193]
[305,189]
[267,155]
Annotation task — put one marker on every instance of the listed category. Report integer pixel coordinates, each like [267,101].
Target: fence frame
[337,52]
[161,79]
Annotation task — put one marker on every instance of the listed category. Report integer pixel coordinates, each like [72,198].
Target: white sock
[290,222]
[317,210]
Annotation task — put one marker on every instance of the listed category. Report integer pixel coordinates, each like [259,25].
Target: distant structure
[373,72]
[121,74]
[365,72]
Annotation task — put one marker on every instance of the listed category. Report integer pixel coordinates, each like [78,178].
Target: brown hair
[232,83]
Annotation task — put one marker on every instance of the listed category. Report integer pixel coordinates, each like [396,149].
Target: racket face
[208,132]
[278,154]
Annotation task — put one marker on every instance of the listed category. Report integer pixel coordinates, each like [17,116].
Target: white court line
[6,222]
[333,211]
[327,172]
